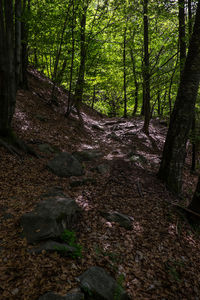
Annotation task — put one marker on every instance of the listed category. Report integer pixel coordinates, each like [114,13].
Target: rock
[97,284]
[74,182]
[46,148]
[114,216]
[87,155]
[50,218]
[69,296]
[52,246]
[103,168]
[65,165]
[137,158]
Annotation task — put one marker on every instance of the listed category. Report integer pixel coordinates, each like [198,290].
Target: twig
[139,189]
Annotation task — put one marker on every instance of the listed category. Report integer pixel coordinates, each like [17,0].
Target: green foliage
[118,291]
[69,237]
[104,32]
[174,267]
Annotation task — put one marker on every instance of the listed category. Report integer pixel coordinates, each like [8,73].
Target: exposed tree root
[17,147]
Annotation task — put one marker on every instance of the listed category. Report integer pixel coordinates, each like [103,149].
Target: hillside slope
[159,256]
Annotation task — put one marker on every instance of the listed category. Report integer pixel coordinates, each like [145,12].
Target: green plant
[118,290]
[69,237]
[172,268]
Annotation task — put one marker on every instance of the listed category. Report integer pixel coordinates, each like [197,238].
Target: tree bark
[146,71]
[195,205]
[124,64]
[180,124]
[83,53]
[136,84]
[182,38]
[7,67]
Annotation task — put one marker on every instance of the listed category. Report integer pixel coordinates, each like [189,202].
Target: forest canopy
[106,39]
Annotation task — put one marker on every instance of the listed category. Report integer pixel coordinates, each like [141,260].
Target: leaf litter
[158,257]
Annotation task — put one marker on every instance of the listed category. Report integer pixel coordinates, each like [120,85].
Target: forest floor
[159,257]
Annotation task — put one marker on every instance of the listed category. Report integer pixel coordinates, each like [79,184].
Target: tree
[9,62]
[174,152]
[146,73]
[10,68]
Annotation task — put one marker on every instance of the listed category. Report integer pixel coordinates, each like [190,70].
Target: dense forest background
[116,51]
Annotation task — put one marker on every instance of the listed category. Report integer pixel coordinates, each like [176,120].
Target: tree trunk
[24,44]
[124,64]
[146,71]
[7,67]
[18,39]
[136,83]
[195,205]
[180,124]
[72,62]
[83,53]
[182,40]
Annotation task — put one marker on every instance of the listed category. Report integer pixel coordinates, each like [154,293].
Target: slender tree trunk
[94,96]
[83,53]
[190,17]
[72,62]
[170,87]
[180,124]
[182,38]
[124,63]
[146,71]
[55,71]
[18,39]
[136,83]
[24,44]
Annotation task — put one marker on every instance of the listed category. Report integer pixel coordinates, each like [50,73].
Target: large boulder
[65,165]
[88,155]
[114,216]
[70,296]
[98,285]
[50,218]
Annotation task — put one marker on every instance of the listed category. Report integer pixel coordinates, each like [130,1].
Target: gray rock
[103,168]
[46,148]
[69,296]
[137,158]
[52,246]
[87,155]
[50,218]
[123,220]
[98,285]
[65,165]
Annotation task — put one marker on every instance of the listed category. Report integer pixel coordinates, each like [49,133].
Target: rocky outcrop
[65,165]
[50,218]
[97,284]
